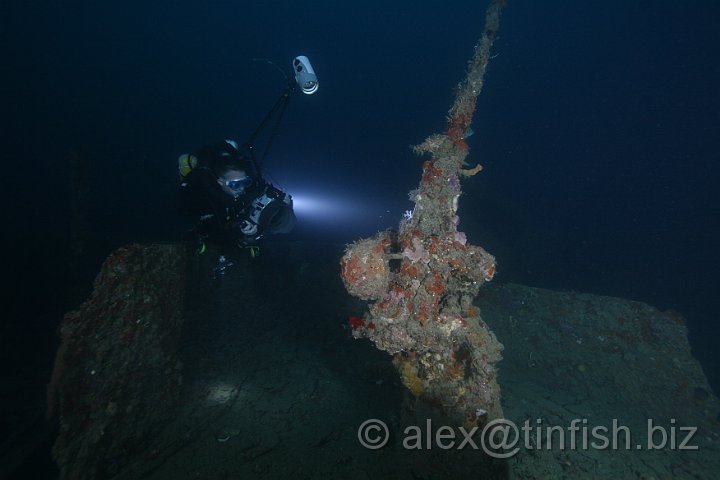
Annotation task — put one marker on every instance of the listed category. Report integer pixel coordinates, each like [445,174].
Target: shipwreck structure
[116,378]
[422,279]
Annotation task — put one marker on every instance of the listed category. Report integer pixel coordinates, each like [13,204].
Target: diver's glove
[248,228]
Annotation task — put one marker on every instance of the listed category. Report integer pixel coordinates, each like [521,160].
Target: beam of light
[325,207]
[335,206]
[340,214]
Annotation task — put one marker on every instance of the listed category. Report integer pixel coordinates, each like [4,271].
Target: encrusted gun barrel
[423,278]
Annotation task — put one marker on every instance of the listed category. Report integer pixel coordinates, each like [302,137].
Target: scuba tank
[186,162]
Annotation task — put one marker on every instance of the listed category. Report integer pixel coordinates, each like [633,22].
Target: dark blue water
[598,127]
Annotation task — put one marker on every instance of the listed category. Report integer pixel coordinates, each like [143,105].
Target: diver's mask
[239,185]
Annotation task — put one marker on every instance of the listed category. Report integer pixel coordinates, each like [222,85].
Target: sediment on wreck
[422,279]
[116,378]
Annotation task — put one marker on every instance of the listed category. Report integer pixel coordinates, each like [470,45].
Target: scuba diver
[223,188]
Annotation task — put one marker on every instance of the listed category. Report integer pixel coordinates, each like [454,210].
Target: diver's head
[232,169]
[234,181]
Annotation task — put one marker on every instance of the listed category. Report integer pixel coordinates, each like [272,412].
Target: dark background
[598,127]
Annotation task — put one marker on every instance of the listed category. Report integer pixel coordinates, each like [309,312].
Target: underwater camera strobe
[305,75]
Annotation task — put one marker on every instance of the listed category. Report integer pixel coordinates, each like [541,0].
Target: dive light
[305,75]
